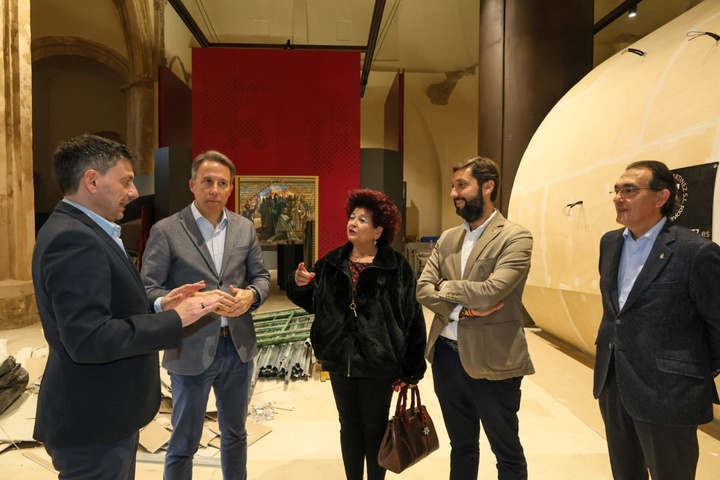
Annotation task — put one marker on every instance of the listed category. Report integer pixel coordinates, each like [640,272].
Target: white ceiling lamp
[632,11]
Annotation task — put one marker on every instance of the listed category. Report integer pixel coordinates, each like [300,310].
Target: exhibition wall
[284,112]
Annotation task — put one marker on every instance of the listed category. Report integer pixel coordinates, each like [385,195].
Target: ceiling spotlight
[632,11]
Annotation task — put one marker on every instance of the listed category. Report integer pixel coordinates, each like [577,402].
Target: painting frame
[282,208]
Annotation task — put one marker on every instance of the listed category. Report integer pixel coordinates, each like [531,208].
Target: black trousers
[669,452]
[466,403]
[109,461]
[364,408]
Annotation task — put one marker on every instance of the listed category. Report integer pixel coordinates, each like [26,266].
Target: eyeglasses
[628,191]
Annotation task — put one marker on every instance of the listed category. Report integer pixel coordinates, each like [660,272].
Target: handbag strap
[401,406]
[415,393]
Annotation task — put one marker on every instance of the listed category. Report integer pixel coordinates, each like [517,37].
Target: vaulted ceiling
[431,36]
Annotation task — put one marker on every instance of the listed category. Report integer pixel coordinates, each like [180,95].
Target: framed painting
[282,208]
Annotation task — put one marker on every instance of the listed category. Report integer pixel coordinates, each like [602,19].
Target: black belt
[224,331]
[449,342]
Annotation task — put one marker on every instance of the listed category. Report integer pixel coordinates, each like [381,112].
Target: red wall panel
[284,112]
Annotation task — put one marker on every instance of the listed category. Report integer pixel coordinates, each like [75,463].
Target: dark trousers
[466,403]
[364,408]
[230,378]
[669,452]
[109,461]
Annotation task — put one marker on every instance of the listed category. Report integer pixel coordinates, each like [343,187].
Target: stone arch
[74,90]
[54,46]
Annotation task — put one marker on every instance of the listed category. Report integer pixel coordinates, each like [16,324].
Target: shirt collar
[197,215]
[111,228]
[478,231]
[651,234]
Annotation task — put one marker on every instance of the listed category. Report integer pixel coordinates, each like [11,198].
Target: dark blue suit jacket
[101,382]
[666,339]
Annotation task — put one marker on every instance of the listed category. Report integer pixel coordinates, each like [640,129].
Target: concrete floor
[561,428]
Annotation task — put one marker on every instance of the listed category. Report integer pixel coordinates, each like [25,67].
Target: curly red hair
[384,212]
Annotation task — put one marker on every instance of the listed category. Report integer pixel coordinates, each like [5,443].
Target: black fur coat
[386,337]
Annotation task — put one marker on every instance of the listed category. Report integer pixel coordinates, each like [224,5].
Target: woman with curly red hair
[369,330]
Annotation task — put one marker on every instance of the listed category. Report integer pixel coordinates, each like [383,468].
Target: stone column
[138,17]
[531,53]
[140,101]
[17,218]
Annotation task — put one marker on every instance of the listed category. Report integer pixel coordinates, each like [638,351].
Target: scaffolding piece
[282,326]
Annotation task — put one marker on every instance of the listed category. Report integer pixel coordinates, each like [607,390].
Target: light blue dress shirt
[112,229]
[214,238]
[633,257]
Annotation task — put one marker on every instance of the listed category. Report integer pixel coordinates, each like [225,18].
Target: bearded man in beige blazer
[473,282]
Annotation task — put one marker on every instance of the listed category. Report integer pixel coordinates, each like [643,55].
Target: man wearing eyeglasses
[658,346]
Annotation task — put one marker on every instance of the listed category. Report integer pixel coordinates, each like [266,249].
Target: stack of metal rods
[287,361]
[285,351]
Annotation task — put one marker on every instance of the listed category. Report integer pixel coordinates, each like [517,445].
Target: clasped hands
[233,303]
[191,304]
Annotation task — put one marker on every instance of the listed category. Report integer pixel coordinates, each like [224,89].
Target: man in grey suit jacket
[658,346]
[207,242]
[473,281]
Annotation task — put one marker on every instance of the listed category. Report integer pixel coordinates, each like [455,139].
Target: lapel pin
[662,255]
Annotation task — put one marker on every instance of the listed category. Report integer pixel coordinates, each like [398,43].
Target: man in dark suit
[658,347]
[207,241]
[101,383]
[473,282]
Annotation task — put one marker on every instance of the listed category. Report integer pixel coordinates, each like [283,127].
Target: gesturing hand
[193,308]
[177,295]
[302,276]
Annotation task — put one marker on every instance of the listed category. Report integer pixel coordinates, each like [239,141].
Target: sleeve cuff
[158,304]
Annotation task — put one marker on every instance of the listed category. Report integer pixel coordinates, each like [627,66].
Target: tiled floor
[561,428]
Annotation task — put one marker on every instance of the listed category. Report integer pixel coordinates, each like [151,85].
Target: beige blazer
[491,347]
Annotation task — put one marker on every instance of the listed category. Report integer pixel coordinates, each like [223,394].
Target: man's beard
[473,209]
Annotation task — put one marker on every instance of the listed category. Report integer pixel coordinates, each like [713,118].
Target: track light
[632,11]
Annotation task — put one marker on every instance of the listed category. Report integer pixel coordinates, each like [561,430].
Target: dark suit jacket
[102,381]
[666,339]
[176,254]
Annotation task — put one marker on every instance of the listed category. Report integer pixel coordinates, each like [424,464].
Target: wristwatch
[438,283]
[256,295]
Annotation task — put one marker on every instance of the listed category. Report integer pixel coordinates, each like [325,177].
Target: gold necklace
[360,257]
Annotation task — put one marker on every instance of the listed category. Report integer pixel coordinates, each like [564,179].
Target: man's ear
[487,187]
[663,196]
[89,180]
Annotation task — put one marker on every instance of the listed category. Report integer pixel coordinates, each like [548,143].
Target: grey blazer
[666,339]
[492,347]
[176,254]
